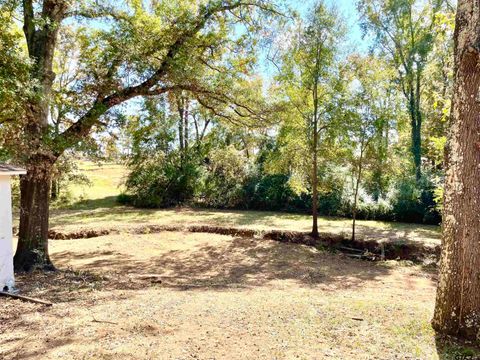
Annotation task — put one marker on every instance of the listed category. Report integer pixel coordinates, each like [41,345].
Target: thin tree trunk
[185,126]
[415,134]
[180,124]
[357,186]
[315,168]
[457,310]
[55,189]
[315,187]
[417,143]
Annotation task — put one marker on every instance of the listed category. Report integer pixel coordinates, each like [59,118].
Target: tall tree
[439,71]
[404,30]
[457,310]
[176,42]
[370,121]
[311,85]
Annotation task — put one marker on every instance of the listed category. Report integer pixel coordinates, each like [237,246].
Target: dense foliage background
[246,104]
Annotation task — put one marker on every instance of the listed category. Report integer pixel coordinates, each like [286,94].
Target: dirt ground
[178,295]
[121,217]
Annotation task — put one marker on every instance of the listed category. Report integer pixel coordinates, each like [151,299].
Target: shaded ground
[178,295]
[72,220]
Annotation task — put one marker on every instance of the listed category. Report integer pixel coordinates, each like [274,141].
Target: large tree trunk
[32,250]
[457,310]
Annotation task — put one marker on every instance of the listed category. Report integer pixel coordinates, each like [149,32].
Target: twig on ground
[104,321]
[25,298]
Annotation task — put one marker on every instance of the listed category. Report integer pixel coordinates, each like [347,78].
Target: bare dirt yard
[188,295]
[175,295]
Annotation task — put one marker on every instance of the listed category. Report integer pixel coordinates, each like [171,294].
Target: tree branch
[146,88]
[28,24]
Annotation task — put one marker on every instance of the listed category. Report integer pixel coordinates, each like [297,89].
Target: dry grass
[202,296]
[175,295]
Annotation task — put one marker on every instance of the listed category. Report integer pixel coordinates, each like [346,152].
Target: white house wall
[6,243]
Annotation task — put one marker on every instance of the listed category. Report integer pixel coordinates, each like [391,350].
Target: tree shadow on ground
[26,352]
[397,232]
[230,264]
[107,202]
[412,233]
[77,215]
[241,263]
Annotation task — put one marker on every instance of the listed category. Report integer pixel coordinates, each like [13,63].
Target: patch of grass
[450,350]
[105,183]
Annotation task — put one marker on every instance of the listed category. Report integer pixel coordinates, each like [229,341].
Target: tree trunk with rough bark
[32,250]
[457,310]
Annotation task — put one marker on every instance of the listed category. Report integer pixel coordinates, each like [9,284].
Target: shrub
[371,210]
[414,202]
[330,202]
[222,181]
[162,181]
[271,192]
[224,175]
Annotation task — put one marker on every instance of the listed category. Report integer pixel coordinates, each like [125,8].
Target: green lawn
[105,184]
[96,207]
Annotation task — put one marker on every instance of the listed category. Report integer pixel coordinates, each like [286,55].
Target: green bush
[380,210]
[163,181]
[271,192]
[414,202]
[223,178]
[330,202]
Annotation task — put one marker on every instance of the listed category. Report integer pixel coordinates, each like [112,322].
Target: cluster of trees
[330,129]
[340,136]
[184,47]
